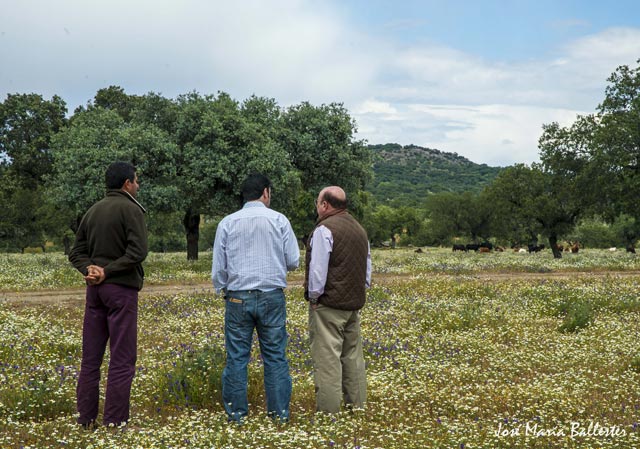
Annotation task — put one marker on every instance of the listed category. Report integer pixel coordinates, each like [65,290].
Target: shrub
[196,380]
[635,364]
[579,315]
[44,394]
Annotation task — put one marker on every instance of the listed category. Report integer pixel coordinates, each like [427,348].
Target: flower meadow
[26,272]
[454,360]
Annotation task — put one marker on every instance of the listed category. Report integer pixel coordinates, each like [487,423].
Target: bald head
[335,196]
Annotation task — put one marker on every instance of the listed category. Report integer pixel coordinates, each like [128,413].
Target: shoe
[117,427]
[91,425]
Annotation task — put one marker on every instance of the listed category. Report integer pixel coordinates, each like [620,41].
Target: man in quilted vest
[338,271]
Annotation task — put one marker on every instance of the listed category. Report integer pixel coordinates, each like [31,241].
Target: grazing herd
[483,247]
[486,247]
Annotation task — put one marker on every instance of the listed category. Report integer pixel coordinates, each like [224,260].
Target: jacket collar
[331,214]
[114,192]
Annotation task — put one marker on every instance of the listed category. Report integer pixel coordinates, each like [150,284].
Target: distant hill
[405,175]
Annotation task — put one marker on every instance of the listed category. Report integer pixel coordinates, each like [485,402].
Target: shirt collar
[253,204]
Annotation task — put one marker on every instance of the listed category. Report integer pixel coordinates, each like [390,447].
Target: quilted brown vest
[346,278]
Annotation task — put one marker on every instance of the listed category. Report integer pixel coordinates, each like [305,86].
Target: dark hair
[335,202]
[117,173]
[254,185]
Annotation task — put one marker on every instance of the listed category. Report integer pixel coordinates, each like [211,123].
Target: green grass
[451,361]
[25,272]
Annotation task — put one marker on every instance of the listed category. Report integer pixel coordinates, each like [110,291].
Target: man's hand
[95,275]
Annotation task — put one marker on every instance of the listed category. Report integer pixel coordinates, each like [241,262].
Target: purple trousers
[111,314]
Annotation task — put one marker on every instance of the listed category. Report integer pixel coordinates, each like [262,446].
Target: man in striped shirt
[253,250]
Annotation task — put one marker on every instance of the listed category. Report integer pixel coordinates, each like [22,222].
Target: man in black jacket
[110,245]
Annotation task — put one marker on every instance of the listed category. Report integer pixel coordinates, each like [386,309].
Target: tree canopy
[28,124]
[193,153]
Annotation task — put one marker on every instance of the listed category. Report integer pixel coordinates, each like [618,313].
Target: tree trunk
[192,227]
[553,241]
[66,242]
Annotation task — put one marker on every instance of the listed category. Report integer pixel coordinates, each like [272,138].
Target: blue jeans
[266,312]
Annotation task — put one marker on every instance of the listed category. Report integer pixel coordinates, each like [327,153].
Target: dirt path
[76,295]
[555,275]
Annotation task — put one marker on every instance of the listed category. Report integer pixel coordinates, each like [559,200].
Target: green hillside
[405,175]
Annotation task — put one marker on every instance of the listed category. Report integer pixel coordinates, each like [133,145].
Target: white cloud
[297,50]
[492,112]
[375,107]
[288,49]
[492,134]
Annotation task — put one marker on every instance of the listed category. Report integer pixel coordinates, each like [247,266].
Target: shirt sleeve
[368,280]
[321,247]
[219,275]
[291,248]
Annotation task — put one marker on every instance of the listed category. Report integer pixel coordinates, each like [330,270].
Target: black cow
[472,247]
[459,248]
[486,245]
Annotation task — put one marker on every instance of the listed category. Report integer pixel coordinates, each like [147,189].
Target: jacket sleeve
[136,252]
[79,254]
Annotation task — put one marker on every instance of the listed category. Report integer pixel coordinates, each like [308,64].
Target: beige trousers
[338,362]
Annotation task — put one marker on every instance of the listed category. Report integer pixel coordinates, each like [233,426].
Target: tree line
[193,152]
[586,185]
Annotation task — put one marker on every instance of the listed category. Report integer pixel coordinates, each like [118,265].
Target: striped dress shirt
[253,250]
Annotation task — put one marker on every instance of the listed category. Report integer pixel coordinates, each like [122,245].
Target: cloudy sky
[475,77]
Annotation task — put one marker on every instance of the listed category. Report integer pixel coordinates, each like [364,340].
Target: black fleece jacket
[113,235]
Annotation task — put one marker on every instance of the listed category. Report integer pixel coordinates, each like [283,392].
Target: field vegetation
[496,350]
[50,271]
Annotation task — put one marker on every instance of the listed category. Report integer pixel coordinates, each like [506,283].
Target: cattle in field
[613,249]
[575,247]
[459,248]
[631,249]
[499,249]
[535,248]
[419,251]
[522,251]
[472,247]
[486,245]
[484,249]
